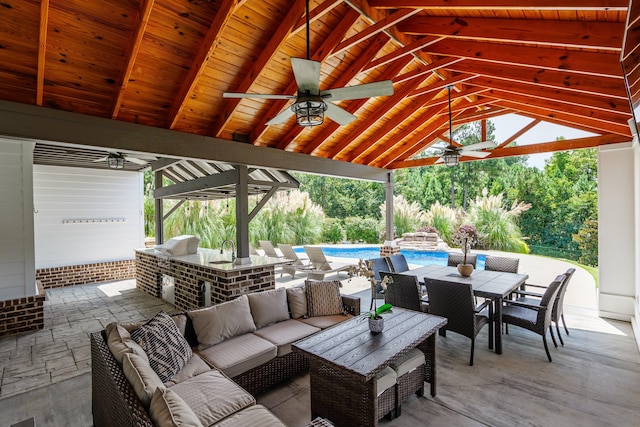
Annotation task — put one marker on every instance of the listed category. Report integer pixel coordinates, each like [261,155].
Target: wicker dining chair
[398,263]
[534,317]
[404,291]
[455,301]
[500,263]
[378,265]
[456,258]
[557,313]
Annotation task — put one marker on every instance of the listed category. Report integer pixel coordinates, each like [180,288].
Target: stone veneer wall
[72,275]
[22,315]
[189,278]
[389,250]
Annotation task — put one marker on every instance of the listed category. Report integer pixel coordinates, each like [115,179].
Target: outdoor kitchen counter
[206,272]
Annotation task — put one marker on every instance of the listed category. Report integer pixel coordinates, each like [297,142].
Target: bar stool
[386,390]
[410,371]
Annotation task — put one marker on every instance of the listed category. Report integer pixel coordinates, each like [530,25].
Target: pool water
[413,256]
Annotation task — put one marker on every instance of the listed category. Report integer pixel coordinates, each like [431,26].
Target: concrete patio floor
[593,380]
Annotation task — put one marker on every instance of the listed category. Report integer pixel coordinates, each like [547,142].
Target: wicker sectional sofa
[233,351]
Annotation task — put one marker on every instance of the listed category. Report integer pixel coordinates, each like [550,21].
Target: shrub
[587,240]
[365,229]
[332,231]
[406,216]
[444,219]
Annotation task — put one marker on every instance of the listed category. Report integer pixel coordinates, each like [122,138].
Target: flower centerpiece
[465,237]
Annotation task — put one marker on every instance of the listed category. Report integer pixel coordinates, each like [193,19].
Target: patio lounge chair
[297,263]
[321,265]
[268,249]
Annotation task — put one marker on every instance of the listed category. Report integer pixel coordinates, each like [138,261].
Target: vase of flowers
[465,237]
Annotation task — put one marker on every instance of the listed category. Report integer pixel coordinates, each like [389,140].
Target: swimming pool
[413,256]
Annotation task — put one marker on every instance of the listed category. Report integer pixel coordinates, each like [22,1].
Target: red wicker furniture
[493,285]
[345,359]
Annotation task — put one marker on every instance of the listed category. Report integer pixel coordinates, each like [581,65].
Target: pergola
[147,76]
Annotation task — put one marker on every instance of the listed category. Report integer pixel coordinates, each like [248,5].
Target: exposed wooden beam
[199,184]
[572,61]
[559,79]
[376,28]
[524,150]
[503,4]
[580,34]
[453,80]
[276,41]
[315,14]
[519,133]
[132,53]
[409,49]
[42,50]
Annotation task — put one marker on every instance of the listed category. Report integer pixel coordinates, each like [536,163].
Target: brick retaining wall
[72,275]
[22,315]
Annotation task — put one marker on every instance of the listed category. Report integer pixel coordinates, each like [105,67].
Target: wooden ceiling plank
[427,69]
[209,43]
[393,69]
[409,49]
[376,28]
[441,84]
[519,133]
[340,80]
[315,14]
[572,61]
[475,115]
[580,122]
[318,55]
[132,53]
[604,103]
[558,79]
[42,50]
[580,34]
[503,4]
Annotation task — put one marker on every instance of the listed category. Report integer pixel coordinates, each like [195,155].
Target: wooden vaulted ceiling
[166,63]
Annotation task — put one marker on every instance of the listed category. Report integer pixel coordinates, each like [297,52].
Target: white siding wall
[17,271]
[64,193]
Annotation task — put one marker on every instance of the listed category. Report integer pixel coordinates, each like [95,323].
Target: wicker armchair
[499,263]
[455,301]
[535,317]
[378,265]
[557,312]
[398,263]
[456,258]
[404,291]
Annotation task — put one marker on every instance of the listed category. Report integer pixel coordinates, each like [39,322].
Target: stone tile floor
[62,349]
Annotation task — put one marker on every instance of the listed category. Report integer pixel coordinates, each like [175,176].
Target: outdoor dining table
[344,361]
[493,285]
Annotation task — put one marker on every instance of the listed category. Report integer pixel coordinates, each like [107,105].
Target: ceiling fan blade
[136,160]
[383,88]
[478,154]
[479,146]
[102,159]
[307,75]
[440,160]
[281,117]
[339,115]
[256,95]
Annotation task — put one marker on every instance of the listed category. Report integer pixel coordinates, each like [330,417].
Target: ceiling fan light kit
[450,159]
[115,161]
[309,110]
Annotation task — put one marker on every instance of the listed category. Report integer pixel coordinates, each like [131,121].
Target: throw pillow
[142,378]
[120,342]
[167,409]
[268,307]
[297,301]
[323,298]
[168,351]
[222,321]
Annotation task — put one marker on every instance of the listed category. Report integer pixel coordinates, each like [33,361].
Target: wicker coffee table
[344,361]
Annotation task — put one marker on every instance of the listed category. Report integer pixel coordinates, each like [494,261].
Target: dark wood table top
[351,347]
[485,283]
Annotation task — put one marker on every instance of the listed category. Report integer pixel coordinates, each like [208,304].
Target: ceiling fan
[116,160]
[451,154]
[311,104]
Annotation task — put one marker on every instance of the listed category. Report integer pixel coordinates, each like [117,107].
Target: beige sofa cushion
[167,409]
[212,396]
[408,362]
[297,298]
[268,307]
[120,342]
[324,322]
[220,322]
[142,378]
[195,366]
[385,379]
[283,334]
[256,415]
[323,298]
[239,354]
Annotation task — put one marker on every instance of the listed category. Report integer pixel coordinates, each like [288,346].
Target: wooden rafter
[502,4]
[132,52]
[402,51]
[519,133]
[42,50]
